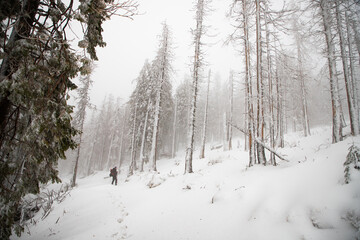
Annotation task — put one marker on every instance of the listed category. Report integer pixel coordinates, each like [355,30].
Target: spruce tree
[352,162]
[36,74]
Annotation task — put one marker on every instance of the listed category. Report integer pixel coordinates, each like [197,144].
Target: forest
[275,90]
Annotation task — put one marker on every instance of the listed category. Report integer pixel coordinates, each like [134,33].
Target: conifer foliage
[352,162]
[151,104]
[36,72]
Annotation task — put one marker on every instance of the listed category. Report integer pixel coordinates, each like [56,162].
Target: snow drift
[306,198]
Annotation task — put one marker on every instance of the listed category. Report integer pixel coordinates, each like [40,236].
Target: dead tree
[203,140]
[197,63]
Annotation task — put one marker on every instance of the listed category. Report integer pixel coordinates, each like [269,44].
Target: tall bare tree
[231,110]
[84,102]
[354,122]
[173,146]
[334,86]
[198,33]
[203,139]
[260,123]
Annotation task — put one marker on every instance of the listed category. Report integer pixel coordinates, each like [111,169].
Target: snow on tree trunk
[90,162]
[122,139]
[203,141]
[132,166]
[350,99]
[354,85]
[162,69]
[260,88]
[226,133]
[334,91]
[270,87]
[73,181]
[248,84]
[155,131]
[280,109]
[143,138]
[197,62]
[231,100]
[173,146]
[84,102]
[112,141]
[246,144]
[301,79]
[355,27]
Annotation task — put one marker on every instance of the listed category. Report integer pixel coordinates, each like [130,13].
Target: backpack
[113,172]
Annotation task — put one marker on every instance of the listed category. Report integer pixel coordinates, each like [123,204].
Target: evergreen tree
[352,162]
[84,102]
[36,75]
[183,99]
[161,72]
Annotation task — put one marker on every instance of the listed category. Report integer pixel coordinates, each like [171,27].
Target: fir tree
[161,71]
[352,162]
[36,74]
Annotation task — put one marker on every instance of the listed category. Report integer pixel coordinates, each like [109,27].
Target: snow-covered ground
[305,198]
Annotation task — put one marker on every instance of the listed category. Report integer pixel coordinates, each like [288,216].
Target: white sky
[130,42]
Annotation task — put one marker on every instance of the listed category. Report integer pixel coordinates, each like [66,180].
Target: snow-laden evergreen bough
[352,162]
[36,74]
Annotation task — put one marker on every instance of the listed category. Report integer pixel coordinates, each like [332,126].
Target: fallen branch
[261,143]
[216,147]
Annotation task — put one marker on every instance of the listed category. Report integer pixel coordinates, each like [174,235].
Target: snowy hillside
[305,198]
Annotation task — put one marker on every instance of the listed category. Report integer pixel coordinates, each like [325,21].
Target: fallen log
[216,147]
[261,143]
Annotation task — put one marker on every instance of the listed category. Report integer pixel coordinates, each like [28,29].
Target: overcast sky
[130,42]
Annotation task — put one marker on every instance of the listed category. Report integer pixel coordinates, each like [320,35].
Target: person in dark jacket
[113,174]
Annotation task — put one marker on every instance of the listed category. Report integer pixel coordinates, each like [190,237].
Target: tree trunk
[354,85]
[122,139]
[334,91]
[248,82]
[133,141]
[143,138]
[196,68]
[231,109]
[350,101]
[258,141]
[89,162]
[173,148]
[280,109]
[203,141]
[226,132]
[154,145]
[108,162]
[260,90]
[301,80]
[159,88]
[354,25]
[73,182]
[246,143]
[269,75]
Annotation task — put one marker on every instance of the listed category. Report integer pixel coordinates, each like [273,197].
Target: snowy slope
[305,198]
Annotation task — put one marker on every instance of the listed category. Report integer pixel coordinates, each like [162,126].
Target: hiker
[113,174]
